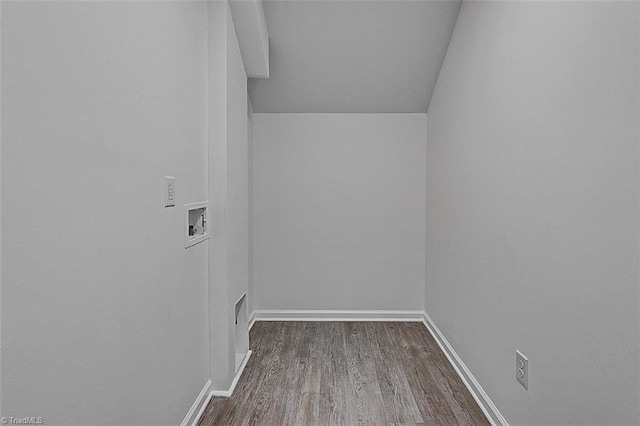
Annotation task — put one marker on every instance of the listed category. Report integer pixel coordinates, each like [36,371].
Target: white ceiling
[364,56]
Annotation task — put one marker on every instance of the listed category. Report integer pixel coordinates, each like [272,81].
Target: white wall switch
[169,191]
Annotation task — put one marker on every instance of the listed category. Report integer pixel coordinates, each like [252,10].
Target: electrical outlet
[522,369]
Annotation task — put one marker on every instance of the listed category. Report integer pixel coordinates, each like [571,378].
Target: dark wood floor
[345,373]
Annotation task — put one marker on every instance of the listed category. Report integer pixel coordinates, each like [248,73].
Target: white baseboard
[486,405]
[229,392]
[194,413]
[201,402]
[252,319]
[326,315]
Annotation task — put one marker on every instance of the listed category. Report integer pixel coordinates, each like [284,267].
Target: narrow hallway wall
[532,206]
[104,312]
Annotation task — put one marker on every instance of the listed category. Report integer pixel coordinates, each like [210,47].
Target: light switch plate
[169,191]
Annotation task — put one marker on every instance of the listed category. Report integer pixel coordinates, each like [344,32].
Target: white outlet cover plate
[522,369]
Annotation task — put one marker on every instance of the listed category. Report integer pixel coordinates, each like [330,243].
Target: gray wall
[238,171]
[250,205]
[532,206]
[339,211]
[104,312]
[228,190]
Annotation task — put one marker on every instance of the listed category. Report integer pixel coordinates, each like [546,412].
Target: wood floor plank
[429,398]
[266,408]
[345,373]
[334,379]
[458,397]
[393,382]
[365,394]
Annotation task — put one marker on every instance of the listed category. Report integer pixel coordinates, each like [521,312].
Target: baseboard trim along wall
[234,382]
[486,405]
[196,410]
[201,402]
[252,320]
[328,315]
